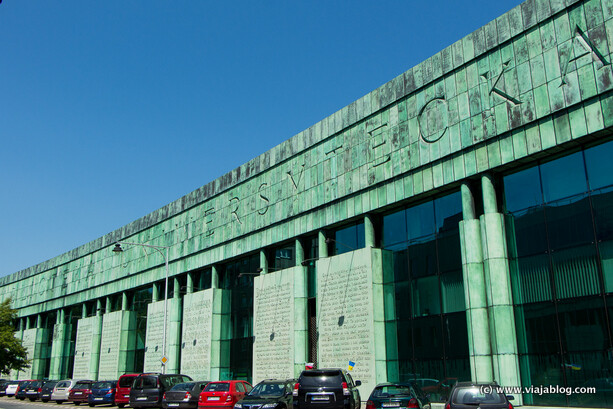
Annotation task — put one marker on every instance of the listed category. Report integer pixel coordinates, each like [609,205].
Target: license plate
[390,405]
[98,398]
[78,393]
[319,397]
[126,396]
[141,398]
[213,398]
[173,405]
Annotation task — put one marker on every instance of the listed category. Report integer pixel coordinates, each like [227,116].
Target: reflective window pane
[530,233]
[599,165]
[563,177]
[394,228]
[448,211]
[420,220]
[602,204]
[522,189]
[569,224]
[575,272]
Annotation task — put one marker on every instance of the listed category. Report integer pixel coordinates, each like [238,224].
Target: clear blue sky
[112,109]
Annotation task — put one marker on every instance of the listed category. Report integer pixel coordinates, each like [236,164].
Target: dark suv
[326,389]
[271,394]
[148,388]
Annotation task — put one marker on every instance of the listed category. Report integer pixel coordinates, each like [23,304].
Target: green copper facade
[387,234]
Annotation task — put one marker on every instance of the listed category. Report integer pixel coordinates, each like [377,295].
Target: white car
[11,388]
[62,389]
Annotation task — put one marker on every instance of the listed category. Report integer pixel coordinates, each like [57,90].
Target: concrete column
[299,252]
[94,359]
[369,231]
[214,277]
[263,262]
[58,346]
[41,349]
[124,301]
[323,246]
[173,337]
[155,296]
[190,283]
[474,291]
[301,314]
[498,289]
[84,311]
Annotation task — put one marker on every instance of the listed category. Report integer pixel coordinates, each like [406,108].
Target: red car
[122,393]
[223,394]
[80,392]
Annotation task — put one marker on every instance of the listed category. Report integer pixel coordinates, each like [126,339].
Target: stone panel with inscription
[196,339]
[109,346]
[83,347]
[273,325]
[154,347]
[345,318]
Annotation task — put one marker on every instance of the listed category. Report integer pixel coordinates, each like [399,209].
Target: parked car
[20,393]
[61,390]
[398,395]
[223,394]
[11,388]
[183,395]
[102,392]
[469,395]
[271,394]
[3,386]
[80,392]
[47,390]
[326,389]
[149,388]
[32,390]
[122,392]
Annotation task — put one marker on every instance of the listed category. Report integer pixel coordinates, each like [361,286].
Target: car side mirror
[358,383]
[510,397]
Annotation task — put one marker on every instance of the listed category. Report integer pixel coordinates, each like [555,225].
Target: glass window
[599,165]
[530,234]
[575,272]
[569,224]
[349,238]
[448,211]
[282,257]
[420,220]
[563,177]
[394,228]
[522,190]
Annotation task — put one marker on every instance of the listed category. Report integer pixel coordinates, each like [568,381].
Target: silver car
[11,388]
[62,389]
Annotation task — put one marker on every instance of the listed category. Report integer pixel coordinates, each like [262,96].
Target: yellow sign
[164,360]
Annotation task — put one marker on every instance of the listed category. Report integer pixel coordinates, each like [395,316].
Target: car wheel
[91,405]
[59,402]
[32,399]
[77,403]
[121,405]
[45,400]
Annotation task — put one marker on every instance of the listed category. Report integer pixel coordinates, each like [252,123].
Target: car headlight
[238,406]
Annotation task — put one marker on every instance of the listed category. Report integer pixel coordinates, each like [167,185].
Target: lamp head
[117,248]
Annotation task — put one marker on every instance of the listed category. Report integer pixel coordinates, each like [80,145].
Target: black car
[148,388]
[326,389]
[398,395]
[46,390]
[469,395]
[21,391]
[32,390]
[269,394]
[183,395]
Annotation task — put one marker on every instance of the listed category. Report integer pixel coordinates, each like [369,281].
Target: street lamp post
[118,249]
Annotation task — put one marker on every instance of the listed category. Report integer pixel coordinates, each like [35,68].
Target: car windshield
[104,385]
[49,384]
[126,381]
[321,378]
[473,395]
[217,387]
[82,385]
[183,386]
[169,381]
[391,390]
[269,389]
